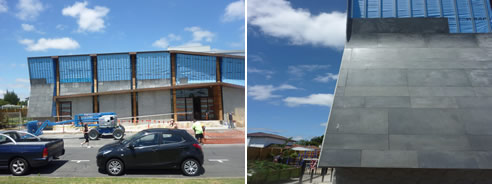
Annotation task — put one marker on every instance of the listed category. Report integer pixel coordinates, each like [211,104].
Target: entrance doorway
[195,104]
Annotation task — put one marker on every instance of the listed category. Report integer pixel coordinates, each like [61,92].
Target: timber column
[57,78]
[95,98]
[173,84]
[217,91]
[133,61]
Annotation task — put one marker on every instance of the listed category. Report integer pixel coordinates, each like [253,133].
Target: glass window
[146,140]
[171,138]
[4,139]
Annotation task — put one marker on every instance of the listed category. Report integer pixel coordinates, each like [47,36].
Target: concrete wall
[410,176]
[233,101]
[75,88]
[412,100]
[113,86]
[121,104]
[155,102]
[41,100]
[153,83]
[80,105]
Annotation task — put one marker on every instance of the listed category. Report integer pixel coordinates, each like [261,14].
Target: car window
[171,138]
[146,140]
[4,139]
[13,135]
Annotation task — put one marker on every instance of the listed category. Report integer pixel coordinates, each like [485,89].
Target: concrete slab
[361,121]
[387,102]
[343,157]
[376,77]
[425,121]
[429,142]
[389,158]
[355,141]
[448,159]
[435,78]
[433,102]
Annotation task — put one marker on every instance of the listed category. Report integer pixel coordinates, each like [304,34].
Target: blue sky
[294,54]
[59,27]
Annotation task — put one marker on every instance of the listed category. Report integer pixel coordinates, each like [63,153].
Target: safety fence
[269,153]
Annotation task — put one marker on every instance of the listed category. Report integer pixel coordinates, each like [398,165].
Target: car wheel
[19,166]
[93,134]
[118,133]
[115,167]
[190,167]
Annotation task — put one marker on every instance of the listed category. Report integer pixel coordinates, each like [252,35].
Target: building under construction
[175,85]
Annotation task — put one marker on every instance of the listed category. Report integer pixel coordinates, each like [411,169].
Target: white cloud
[43,44]
[264,92]
[313,99]
[324,124]
[200,34]
[256,58]
[22,80]
[326,78]
[165,41]
[299,70]
[297,138]
[277,18]
[234,11]
[3,6]
[61,27]
[27,27]
[29,9]
[267,73]
[91,20]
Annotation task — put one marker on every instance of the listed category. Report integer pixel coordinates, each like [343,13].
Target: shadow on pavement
[154,172]
[48,169]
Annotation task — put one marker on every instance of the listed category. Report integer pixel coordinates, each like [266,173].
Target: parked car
[21,151]
[158,148]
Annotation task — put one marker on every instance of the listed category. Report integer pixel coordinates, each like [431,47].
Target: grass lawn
[116,180]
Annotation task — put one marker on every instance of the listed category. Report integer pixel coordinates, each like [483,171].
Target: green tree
[11,97]
[24,102]
[3,102]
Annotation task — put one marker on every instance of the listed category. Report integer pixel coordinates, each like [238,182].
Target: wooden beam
[188,86]
[218,107]
[133,60]
[217,69]
[95,101]
[204,54]
[57,111]
[175,115]
[173,69]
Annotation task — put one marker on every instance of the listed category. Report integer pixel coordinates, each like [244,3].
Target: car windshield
[132,137]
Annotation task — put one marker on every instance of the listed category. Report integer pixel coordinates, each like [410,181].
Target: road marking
[218,160]
[78,161]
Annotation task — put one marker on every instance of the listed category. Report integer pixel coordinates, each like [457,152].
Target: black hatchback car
[158,148]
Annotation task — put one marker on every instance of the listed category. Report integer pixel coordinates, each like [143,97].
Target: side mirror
[131,146]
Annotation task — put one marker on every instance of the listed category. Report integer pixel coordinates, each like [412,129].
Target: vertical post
[323,173]
[472,16]
[425,8]
[395,6]
[456,16]
[173,84]
[95,101]
[486,9]
[134,84]
[57,71]
[440,9]
[303,167]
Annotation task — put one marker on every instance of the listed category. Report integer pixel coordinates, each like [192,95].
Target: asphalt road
[220,161]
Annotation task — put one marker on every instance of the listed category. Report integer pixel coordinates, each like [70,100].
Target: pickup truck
[21,151]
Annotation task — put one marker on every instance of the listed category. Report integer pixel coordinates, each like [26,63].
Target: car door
[5,151]
[170,150]
[144,153]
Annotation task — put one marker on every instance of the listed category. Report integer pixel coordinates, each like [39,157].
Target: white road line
[218,160]
[78,161]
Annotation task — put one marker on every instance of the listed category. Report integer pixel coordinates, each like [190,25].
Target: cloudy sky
[294,53]
[59,27]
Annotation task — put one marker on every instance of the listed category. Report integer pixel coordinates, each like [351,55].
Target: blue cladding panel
[42,68]
[195,69]
[464,16]
[373,9]
[403,7]
[113,67]
[418,8]
[479,12]
[433,8]
[75,69]
[358,10]
[388,8]
[153,66]
[233,71]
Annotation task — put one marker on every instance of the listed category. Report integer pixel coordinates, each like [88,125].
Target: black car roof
[162,130]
